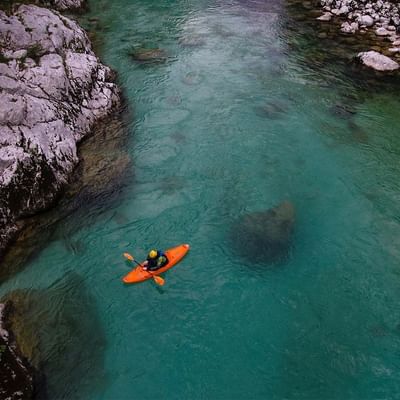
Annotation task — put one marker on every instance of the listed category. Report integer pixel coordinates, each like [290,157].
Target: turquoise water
[208,146]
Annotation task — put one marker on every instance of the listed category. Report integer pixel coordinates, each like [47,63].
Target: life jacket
[157,262]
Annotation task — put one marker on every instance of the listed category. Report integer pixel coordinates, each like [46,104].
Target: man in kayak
[155,260]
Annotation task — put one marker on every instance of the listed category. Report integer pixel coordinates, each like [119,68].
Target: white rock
[41,112]
[343,10]
[325,17]
[378,61]
[64,5]
[366,20]
[394,49]
[346,27]
[382,32]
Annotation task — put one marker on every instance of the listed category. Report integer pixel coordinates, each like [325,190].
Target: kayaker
[155,260]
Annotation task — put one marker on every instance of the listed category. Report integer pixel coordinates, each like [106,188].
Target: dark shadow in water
[178,137]
[101,175]
[172,184]
[59,331]
[75,247]
[343,111]
[358,134]
[265,237]
[273,110]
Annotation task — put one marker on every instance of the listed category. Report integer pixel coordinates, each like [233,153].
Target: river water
[243,114]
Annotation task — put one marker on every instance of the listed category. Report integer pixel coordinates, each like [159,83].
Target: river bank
[56,94]
[55,89]
[378,19]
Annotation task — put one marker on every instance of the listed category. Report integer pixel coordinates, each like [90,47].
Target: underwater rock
[357,133]
[172,184]
[342,111]
[149,55]
[272,110]
[178,137]
[17,376]
[192,78]
[59,331]
[265,237]
[325,17]
[377,61]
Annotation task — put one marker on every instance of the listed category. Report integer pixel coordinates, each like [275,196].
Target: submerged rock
[149,55]
[17,376]
[342,110]
[272,110]
[53,91]
[378,61]
[327,16]
[59,331]
[265,237]
[357,133]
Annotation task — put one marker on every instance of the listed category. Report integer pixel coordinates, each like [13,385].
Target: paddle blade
[128,257]
[160,281]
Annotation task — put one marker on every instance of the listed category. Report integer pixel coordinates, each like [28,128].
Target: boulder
[265,237]
[54,89]
[17,376]
[343,10]
[347,27]
[149,55]
[377,61]
[382,32]
[366,20]
[64,5]
[325,17]
[60,332]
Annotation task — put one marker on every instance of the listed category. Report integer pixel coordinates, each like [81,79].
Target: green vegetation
[2,58]
[35,52]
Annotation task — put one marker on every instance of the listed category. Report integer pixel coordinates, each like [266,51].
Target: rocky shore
[362,16]
[54,89]
[55,92]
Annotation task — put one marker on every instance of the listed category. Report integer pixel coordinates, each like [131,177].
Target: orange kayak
[174,255]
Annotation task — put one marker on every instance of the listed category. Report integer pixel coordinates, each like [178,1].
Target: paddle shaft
[140,265]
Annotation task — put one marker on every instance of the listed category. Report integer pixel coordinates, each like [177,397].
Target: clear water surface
[238,119]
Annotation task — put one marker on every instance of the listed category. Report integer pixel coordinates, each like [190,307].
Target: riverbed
[244,111]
